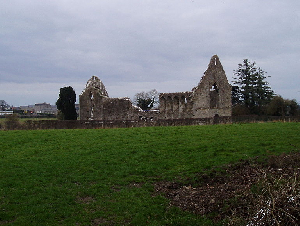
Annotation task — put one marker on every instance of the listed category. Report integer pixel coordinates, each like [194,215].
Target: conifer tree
[254,91]
[66,103]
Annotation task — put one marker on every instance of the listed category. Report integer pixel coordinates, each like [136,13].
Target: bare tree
[146,100]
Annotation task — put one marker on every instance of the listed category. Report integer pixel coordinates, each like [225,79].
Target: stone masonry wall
[212,97]
[96,124]
[96,105]
[106,124]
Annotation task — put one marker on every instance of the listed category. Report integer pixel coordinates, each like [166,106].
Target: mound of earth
[250,192]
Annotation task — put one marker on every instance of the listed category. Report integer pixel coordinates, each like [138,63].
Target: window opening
[214,87]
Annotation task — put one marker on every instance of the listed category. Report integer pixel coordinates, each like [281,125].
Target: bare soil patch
[250,192]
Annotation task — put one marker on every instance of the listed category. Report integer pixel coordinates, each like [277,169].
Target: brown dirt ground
[230,191]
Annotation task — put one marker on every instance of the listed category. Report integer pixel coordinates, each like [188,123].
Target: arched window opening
[214,96]
[214,87]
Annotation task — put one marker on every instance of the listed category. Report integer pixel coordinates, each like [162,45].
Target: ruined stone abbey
[211,98]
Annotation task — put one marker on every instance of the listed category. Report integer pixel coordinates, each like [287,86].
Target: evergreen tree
[254,92]
[66,103]
[235,95]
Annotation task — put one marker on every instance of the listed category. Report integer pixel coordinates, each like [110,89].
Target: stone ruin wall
[96,105]
[175,105]
[210,99]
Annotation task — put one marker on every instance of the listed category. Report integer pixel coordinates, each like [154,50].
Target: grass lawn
[107,176]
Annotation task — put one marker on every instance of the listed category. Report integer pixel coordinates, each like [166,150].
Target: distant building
[25,109]
[6,112]
[5,109]
[45,108]
[4,106]
[41,108]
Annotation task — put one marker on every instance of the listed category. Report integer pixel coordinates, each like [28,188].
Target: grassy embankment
[106,177]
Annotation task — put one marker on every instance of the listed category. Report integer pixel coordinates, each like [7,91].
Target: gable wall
[211,98]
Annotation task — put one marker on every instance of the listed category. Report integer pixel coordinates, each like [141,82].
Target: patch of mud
[236,190]
[85,199]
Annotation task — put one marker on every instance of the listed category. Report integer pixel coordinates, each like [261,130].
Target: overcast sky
[139,45]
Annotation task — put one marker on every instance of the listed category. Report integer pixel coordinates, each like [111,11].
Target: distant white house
[6,112]
[5,109]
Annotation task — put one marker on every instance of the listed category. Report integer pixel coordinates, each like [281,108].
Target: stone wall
[210,99]
[212,96]
[95,104]
[98,124]
[175,105]
[105,124]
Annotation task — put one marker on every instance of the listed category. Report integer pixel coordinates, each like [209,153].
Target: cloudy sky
[139,45]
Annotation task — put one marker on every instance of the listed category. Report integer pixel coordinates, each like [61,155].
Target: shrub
[278,202]
[12,121]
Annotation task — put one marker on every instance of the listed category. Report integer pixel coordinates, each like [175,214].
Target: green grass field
[106,177]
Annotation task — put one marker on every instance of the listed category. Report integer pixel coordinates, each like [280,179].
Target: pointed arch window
[214,96]
[214,87]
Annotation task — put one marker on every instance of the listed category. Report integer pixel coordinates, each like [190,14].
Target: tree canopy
[251,91]
[282,107]
[66,103]
[146,100]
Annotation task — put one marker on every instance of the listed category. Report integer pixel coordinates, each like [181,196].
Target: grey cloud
[146,43]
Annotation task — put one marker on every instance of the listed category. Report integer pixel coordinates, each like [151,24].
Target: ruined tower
[95,104]
[91,99]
